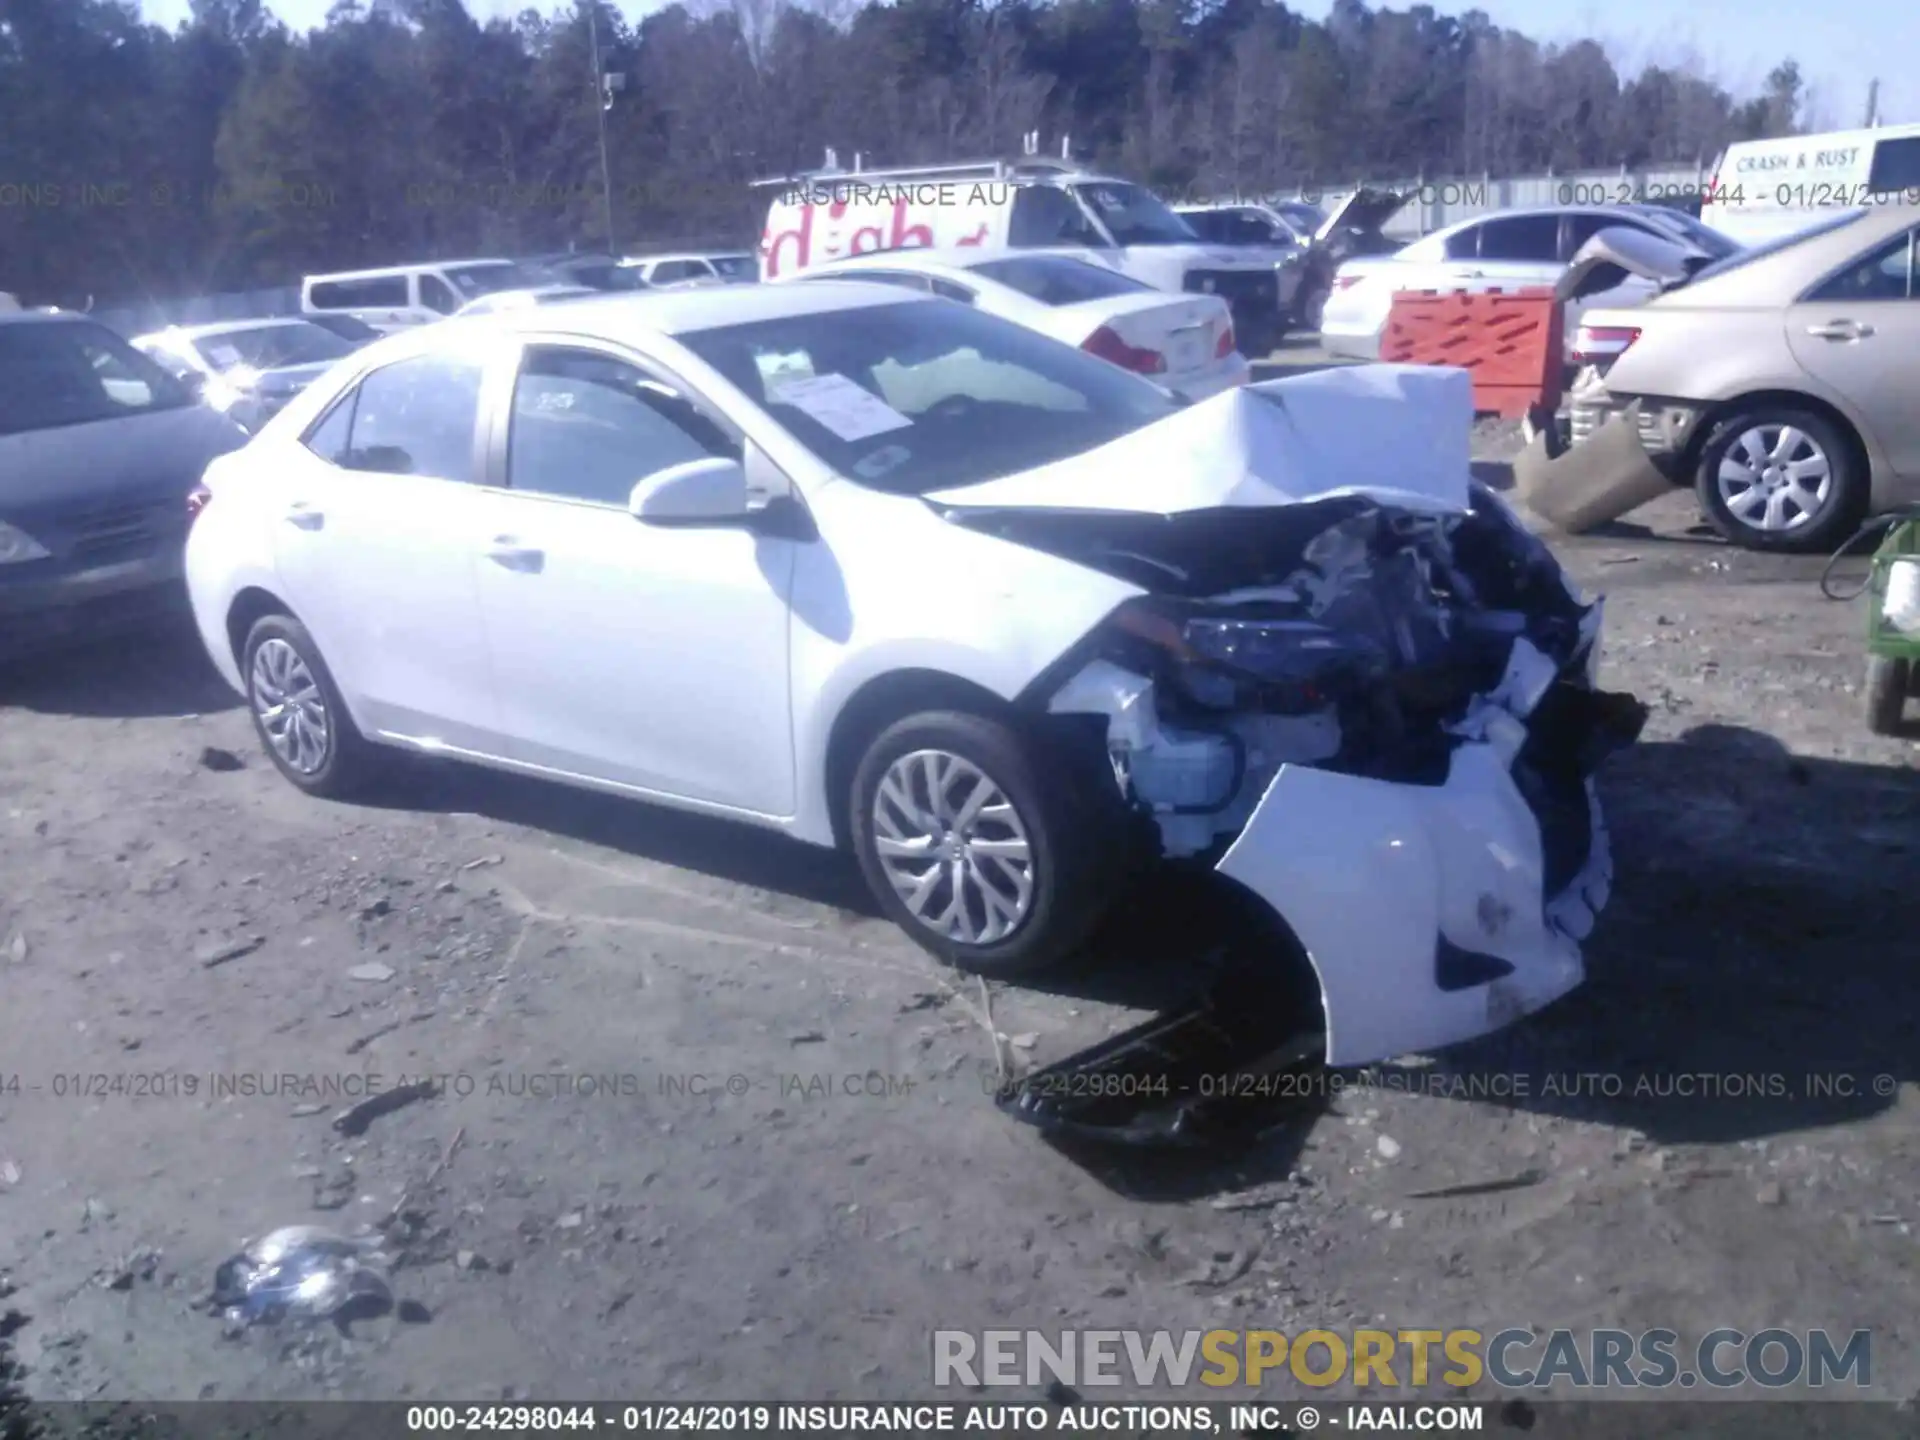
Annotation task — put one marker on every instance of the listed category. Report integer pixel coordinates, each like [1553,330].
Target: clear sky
[1737,41]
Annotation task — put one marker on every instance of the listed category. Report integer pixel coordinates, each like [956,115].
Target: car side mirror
[699,492]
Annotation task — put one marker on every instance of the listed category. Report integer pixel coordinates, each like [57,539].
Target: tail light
[1115,351]
[1597,344]
[1225,346]
[1345,282]
[197,499]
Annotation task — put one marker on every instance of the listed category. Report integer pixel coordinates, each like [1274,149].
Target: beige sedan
[1779,382]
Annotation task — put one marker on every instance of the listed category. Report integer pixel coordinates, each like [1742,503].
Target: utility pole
[1873,104]
[604,86]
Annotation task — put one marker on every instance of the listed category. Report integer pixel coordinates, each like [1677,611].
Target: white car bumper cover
[1371,876]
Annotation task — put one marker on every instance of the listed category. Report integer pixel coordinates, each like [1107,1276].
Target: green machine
[1892,588]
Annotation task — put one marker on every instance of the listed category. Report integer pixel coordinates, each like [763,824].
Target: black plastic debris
[1228,1068]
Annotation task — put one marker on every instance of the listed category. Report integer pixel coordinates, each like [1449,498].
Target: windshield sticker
[882,461]
[839,405]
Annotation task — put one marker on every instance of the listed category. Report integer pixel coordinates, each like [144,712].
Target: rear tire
[297,711]
[976,844]
[1778,479]
[1889,681]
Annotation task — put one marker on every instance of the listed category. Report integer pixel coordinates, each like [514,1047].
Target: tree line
[234,153]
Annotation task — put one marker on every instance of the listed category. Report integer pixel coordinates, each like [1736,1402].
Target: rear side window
[414,417]
[1521,237]
[1883,274]
[383,292]
[669,271]
[1465,244]
[1896,166]
[436,294]
[1055,280]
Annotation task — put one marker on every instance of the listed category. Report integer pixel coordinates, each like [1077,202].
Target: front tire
[297,712]
[976,847]
[1781,480]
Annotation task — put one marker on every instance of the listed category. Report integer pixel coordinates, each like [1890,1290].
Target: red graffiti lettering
[979,237]
[801,237]
[905,234]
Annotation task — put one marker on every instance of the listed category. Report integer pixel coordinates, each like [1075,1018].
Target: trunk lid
[1185,331]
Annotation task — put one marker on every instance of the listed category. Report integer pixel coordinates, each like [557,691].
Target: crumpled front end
[1383,722]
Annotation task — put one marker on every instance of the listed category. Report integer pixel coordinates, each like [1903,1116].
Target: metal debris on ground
[356,1118]
[373,972]
[484,860]
[219,952]
[1520,1181]
[301,1272]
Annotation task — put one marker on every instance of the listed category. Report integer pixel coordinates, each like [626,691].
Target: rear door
[1858,333]
[377,536]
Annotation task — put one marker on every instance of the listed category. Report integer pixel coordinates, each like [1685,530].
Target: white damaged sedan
[1001,618]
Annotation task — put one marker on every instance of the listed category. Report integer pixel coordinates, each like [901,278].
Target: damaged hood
[1400,435]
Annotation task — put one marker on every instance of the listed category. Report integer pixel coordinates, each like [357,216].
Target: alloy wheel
[289,706]
[953,847]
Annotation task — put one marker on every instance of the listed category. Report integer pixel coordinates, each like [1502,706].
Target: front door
[1859,335]
[647,657]
[376,537]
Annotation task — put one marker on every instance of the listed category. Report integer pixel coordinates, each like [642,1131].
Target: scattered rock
[471,1260]
[572,1220]
[807,1037]
[140,1265]
[335,1189]
[223,762]
[924,1000]
[1387,1146]
[1770,1193]
[9,1173]
[445,887]
[382,906]
[17,948]
[301,1112]
[95,1212]
[219,952]
[373,972]
[484,860]
[1024,1041]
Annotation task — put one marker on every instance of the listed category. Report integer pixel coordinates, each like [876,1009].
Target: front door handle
[305,517]
[1840,330]
[511,554]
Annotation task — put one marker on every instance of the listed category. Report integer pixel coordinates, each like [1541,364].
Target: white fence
[1440,202]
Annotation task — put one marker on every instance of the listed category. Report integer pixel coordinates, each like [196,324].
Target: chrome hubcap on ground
[1775,477]
[953,847]
[288,703]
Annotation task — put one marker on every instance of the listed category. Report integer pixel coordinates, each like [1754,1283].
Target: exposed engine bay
[1342,634]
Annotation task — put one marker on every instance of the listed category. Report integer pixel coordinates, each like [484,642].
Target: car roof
[222,327]
[381,272]
[927,260]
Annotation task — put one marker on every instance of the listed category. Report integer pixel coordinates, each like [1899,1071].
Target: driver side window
[437,295]
[590,426]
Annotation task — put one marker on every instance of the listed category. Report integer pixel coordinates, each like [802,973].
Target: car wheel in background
[1781,479]
[297,711]
[974,848]
[1889,681]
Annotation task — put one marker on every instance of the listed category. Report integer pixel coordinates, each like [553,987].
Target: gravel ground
[191,953]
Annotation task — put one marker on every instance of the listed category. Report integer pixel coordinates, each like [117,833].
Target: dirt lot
[727,1216]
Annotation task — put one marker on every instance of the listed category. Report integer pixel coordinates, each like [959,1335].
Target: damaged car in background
[1006,621]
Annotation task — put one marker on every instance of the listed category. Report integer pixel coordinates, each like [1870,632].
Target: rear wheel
[297,711]
[976,847]
[1776,478]
[1889,680]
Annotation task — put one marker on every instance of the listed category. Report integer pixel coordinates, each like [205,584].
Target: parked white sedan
[1509,250]
[1004,620]
[1182,342]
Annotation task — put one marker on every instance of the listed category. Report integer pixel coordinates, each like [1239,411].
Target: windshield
[269,347]
[1056,280]
[917,396]
[1772,247]
[604,275]
[736,267]
[67,373]
[1135,216]
[472,280]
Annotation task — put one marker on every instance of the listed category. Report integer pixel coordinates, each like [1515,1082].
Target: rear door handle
[305,517]
[511,554]
[1840,330]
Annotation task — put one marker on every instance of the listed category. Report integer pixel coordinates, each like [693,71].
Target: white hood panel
[1399,434]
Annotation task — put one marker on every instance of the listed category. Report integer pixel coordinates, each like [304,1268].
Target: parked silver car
[247,368]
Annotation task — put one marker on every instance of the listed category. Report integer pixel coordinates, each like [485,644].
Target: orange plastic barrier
[1511,343]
